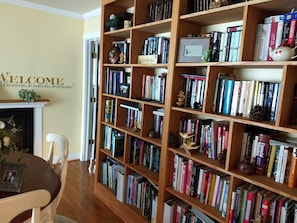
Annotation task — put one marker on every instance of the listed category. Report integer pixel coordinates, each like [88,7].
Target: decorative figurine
[246,167]
[187,142]
[180,99]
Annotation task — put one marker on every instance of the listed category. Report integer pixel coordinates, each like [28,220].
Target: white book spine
[279,163]
[242,97]
[283,167]
[235,97]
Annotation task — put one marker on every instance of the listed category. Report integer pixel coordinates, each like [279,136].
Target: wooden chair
[60,143]
[11,206]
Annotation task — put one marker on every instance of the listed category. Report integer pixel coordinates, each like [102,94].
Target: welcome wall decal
[9,80]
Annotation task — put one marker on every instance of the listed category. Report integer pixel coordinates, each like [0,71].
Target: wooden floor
[78,201]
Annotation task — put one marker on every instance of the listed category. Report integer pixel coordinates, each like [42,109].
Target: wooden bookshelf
[249,14]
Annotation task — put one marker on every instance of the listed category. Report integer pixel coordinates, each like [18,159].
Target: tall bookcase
[180,24]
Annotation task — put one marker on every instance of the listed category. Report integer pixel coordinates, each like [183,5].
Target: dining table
[37,174]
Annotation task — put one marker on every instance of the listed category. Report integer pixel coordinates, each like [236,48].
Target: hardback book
[250,205]
[272,38]
[271,160]
[117,143]
[292,181]
[225,199]
[258,202]
[168,214]
[235,98]
[12,176]
[242,97]
[264,44]
[232,206]
[249,98]
[227,97]
[262,150]
[244,202]
[258,42]
[219,91]
[266,207]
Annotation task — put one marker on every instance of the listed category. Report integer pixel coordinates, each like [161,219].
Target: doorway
[90,91]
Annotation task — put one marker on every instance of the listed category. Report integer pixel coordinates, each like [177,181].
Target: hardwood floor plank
[78,201]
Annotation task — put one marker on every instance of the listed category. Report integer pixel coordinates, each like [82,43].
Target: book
[272,37]
[284,165]
[258,42]
[292,182]
[264,44]
[242,97]
[168,213]
[227,96]
[12,175]
[232,206]
[258,202]
[244,201]
[266,206]
[271,160]
[262,150]
[250,205]
[117,148]
[235,98]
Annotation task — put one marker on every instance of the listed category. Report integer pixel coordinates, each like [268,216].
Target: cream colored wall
[39,44]
[92,25]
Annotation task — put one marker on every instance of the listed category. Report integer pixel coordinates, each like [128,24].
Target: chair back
[61,166]
[12,206]
[60,141]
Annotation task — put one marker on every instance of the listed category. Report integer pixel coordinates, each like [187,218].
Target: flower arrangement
[8,131]
[28,95]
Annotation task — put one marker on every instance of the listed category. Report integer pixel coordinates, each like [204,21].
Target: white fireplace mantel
[37,119]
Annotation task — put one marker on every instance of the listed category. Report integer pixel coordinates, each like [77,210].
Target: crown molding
[53,10]
[92,14]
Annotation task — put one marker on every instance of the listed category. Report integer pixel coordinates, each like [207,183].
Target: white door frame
[84,152]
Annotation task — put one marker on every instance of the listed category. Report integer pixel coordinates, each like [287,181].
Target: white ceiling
[77,6]
[73,8]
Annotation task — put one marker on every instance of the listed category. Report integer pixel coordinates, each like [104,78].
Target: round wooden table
[38,174]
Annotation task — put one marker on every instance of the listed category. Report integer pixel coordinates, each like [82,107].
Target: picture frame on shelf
[192,49]
[123,90]
[11,176]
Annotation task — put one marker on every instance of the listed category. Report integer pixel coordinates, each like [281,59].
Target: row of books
[274,31]
[158,122]
[114,78]
[252,204]
[159,10]
[140,193]
[238,97]
[113,140]
[202,5]
[153,87]
[194,88]
[210,135]
[224,46]
[158,46]
[134,116]
[144,154]
[112,175]
[272,157]
[209,186]
[178,211]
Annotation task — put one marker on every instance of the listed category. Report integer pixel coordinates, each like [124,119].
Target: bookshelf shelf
[247,14]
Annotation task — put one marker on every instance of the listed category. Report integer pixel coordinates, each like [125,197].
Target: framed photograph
[191,49]
[123,90]
[11,176]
